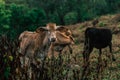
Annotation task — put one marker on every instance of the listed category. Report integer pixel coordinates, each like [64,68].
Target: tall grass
[64,67]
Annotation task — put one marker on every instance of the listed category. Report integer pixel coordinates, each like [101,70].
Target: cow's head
[67,32]
[50,30]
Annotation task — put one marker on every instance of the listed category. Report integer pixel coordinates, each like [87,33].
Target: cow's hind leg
[99,66]
[86,55]
[99,58]
[110,46]
[60,57]
[70,49]
[88,48]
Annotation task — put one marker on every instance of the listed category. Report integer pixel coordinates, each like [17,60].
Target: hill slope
[110,70]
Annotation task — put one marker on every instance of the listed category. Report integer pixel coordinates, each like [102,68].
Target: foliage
[71,18]
[101,24]
[4,18]
[34,18]
[19,15]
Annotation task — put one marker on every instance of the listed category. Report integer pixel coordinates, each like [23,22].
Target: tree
[4,18]
[71,18]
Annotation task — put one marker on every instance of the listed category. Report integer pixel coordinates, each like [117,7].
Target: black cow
[97,38]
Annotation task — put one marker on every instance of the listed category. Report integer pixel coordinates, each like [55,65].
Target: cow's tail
[87,38]
[86,44]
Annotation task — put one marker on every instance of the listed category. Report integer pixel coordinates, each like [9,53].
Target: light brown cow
[64,38]
[39,41]
[32,41]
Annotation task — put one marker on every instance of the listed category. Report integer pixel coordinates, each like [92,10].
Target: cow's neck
[46,42]
[45,45]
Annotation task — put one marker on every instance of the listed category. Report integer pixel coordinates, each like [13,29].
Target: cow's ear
[64,29]
[41,29]
[61,28]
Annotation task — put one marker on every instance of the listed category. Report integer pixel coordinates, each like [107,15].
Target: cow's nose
[53,40]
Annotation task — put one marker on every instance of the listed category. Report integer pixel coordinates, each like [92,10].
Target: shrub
[4,19]
[71,18]
[101,24]
[54,17]
[34,18]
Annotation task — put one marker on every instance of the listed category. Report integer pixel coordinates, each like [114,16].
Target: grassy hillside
[69,66]
[110,70]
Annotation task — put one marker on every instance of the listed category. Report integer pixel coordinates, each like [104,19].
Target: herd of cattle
[46,40]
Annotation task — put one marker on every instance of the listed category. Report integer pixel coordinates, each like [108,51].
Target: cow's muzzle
[53,39]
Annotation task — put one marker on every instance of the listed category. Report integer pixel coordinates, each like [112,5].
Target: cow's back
[99,38]
[29,42]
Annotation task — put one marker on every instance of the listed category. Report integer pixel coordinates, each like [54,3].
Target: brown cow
[64,38]
[32,43]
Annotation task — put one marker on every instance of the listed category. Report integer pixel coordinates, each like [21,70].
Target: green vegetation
[71,18]
[69,66]
[19,15]
[101,24]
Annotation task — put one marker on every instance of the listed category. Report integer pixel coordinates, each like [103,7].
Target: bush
[86,14]
[101,24]
[34,18]
[4,19]
[54,17]
[71,18]
[22,18]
